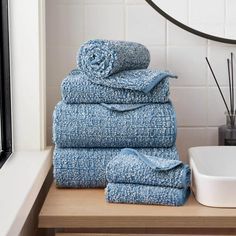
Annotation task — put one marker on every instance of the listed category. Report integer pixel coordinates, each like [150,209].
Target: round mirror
[212,19]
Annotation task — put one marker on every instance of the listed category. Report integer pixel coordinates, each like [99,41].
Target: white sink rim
[226,178]
[211,189]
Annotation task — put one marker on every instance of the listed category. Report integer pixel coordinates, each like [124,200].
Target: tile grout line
[188,17]
[166,44]
[84,21]
[225,16]
[83,30]
[207,86]
[125,19]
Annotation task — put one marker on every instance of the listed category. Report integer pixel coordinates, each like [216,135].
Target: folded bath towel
[77,88]
[101,58]
[144,194]
[86,167]
[132,167]
[100,125]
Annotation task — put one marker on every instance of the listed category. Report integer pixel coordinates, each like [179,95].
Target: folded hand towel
[141,80]
[144,194]
[132,167]
[77,88]
[86,167]
[101,58]
[94,125]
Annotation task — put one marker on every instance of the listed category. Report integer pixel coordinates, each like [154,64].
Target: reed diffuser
[227,132]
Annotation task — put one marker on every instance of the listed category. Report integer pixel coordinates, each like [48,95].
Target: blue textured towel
[86,167]
[144,194]
[143,80]
[132,167]
[93,125]
[101,58]
[77,88]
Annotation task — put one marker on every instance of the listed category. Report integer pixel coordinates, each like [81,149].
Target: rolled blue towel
[77,88]
[145,194]
[101,58]
[114,125]
[86,167]
[133,167]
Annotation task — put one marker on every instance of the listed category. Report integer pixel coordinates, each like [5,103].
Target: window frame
[5,86]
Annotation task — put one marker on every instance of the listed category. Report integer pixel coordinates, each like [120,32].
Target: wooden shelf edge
[136,222]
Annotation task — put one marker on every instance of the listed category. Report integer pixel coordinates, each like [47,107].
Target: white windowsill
[21,178]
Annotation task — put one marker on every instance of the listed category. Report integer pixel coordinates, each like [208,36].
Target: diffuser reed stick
[213,74]
[230,88]
[227,133]
[232,79]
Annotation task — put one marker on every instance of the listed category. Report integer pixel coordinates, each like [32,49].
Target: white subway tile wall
[198,104]
[104,16]
[190,105]
[144,25]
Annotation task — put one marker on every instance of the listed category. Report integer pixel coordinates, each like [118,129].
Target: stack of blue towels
[110,102]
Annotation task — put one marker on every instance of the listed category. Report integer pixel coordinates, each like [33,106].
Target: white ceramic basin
[214,175]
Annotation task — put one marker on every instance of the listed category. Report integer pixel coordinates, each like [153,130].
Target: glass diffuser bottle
[227,133]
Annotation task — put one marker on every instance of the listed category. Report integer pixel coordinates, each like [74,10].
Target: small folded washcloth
[86,167]
[144,194]
[114,125]
[78,88]
[101,58]
[133,167]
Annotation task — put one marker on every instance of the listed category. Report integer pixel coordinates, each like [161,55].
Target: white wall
[195,96]
[215,17]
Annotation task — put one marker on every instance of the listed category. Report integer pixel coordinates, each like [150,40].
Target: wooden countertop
[87,208]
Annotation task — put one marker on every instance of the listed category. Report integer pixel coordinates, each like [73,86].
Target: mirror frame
[187,28]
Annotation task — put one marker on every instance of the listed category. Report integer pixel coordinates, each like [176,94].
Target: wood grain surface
[87,208]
